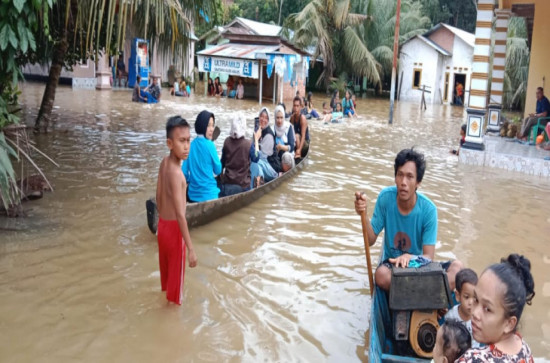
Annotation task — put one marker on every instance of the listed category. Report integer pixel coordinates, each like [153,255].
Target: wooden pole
[367,251]
[395,51]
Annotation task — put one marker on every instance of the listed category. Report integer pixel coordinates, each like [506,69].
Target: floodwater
[281,280]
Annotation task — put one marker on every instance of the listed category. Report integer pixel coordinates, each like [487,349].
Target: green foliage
[359,32]
[516,73]
[19,23]
[8,194]
[461,14]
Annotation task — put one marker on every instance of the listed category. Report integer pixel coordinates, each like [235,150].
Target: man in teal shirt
[408,218]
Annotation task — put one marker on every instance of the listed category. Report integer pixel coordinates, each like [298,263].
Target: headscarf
[201,124]
[238,126]
[267,112]
[281,131]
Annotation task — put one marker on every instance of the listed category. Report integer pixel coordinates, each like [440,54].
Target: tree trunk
[58,57]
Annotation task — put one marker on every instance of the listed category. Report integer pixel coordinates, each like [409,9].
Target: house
[439,59]
[270,66]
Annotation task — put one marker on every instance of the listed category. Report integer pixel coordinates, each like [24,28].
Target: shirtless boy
[172,227]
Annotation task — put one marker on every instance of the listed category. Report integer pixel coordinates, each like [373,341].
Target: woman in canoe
[284,138]
[203,162]
[236,159]
[265,161]
[500,296]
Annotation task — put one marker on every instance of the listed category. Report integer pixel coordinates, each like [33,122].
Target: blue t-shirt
[543,105]
[199,170]
[404,234]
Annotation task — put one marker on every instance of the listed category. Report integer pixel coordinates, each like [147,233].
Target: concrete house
[439,59]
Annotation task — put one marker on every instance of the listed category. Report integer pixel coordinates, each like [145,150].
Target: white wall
[463,57]
[417,51]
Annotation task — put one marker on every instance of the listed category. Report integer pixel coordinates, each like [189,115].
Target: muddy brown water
[281,280]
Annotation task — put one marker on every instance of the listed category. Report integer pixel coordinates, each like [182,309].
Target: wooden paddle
[367,247]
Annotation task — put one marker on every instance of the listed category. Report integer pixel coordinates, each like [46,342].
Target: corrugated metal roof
[261,28]
[243,51]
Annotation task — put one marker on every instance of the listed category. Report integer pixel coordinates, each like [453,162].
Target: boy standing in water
[172,232]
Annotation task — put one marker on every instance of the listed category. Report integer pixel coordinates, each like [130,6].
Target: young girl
[203,162]
[334,100]
[211,88]
[500,296]
[337,115]
[347,104]
[452,341]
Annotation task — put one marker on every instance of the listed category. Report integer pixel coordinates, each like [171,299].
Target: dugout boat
[198,214]
[404,323]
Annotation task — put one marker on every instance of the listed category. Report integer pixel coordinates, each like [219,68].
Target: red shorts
[171,259]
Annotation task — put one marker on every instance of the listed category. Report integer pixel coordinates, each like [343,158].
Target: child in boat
[452,341]
[500,296]
[172,230]
[462,139]
[203,163]
[465,283]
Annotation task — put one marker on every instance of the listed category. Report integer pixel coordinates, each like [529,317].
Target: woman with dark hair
[263,153]
[347,104]
[500,296]
[334,100]
[203,162]
[218,89]
[310,107]
[211,89]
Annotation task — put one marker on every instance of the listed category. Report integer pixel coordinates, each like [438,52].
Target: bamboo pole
[394,66]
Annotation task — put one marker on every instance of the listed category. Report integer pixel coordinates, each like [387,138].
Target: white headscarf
[238,126]
[281,131]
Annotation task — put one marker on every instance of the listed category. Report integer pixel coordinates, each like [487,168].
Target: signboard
[235,67]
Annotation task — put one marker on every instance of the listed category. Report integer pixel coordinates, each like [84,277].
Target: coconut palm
[327,25]
[517,65]
[363,38]
[377,32]
[84,28]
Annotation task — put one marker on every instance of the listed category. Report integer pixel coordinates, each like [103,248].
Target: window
[417,78]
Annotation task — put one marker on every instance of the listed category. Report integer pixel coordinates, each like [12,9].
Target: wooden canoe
[198,214]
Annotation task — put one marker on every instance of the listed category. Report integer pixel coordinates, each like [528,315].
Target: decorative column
[499,62]
[103,74]
[477,106]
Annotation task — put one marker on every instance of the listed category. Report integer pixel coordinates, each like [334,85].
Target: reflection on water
[281,280]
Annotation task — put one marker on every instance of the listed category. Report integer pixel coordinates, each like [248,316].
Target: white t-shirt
[453,314]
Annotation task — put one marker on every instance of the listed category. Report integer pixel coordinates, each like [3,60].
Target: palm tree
[364,38]
[81,29]
[377,31]
[517,65]
[327,25]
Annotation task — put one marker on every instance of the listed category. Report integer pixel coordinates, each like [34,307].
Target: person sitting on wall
[543,110]
[138,95]
[240,89]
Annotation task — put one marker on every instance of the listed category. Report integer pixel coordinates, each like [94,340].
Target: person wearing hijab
[284,137]
[263,154]
[203,163]
[236,159]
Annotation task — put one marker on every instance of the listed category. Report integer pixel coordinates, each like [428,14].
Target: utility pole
[395,51]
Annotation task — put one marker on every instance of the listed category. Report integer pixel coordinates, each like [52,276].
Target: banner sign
[235,67]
